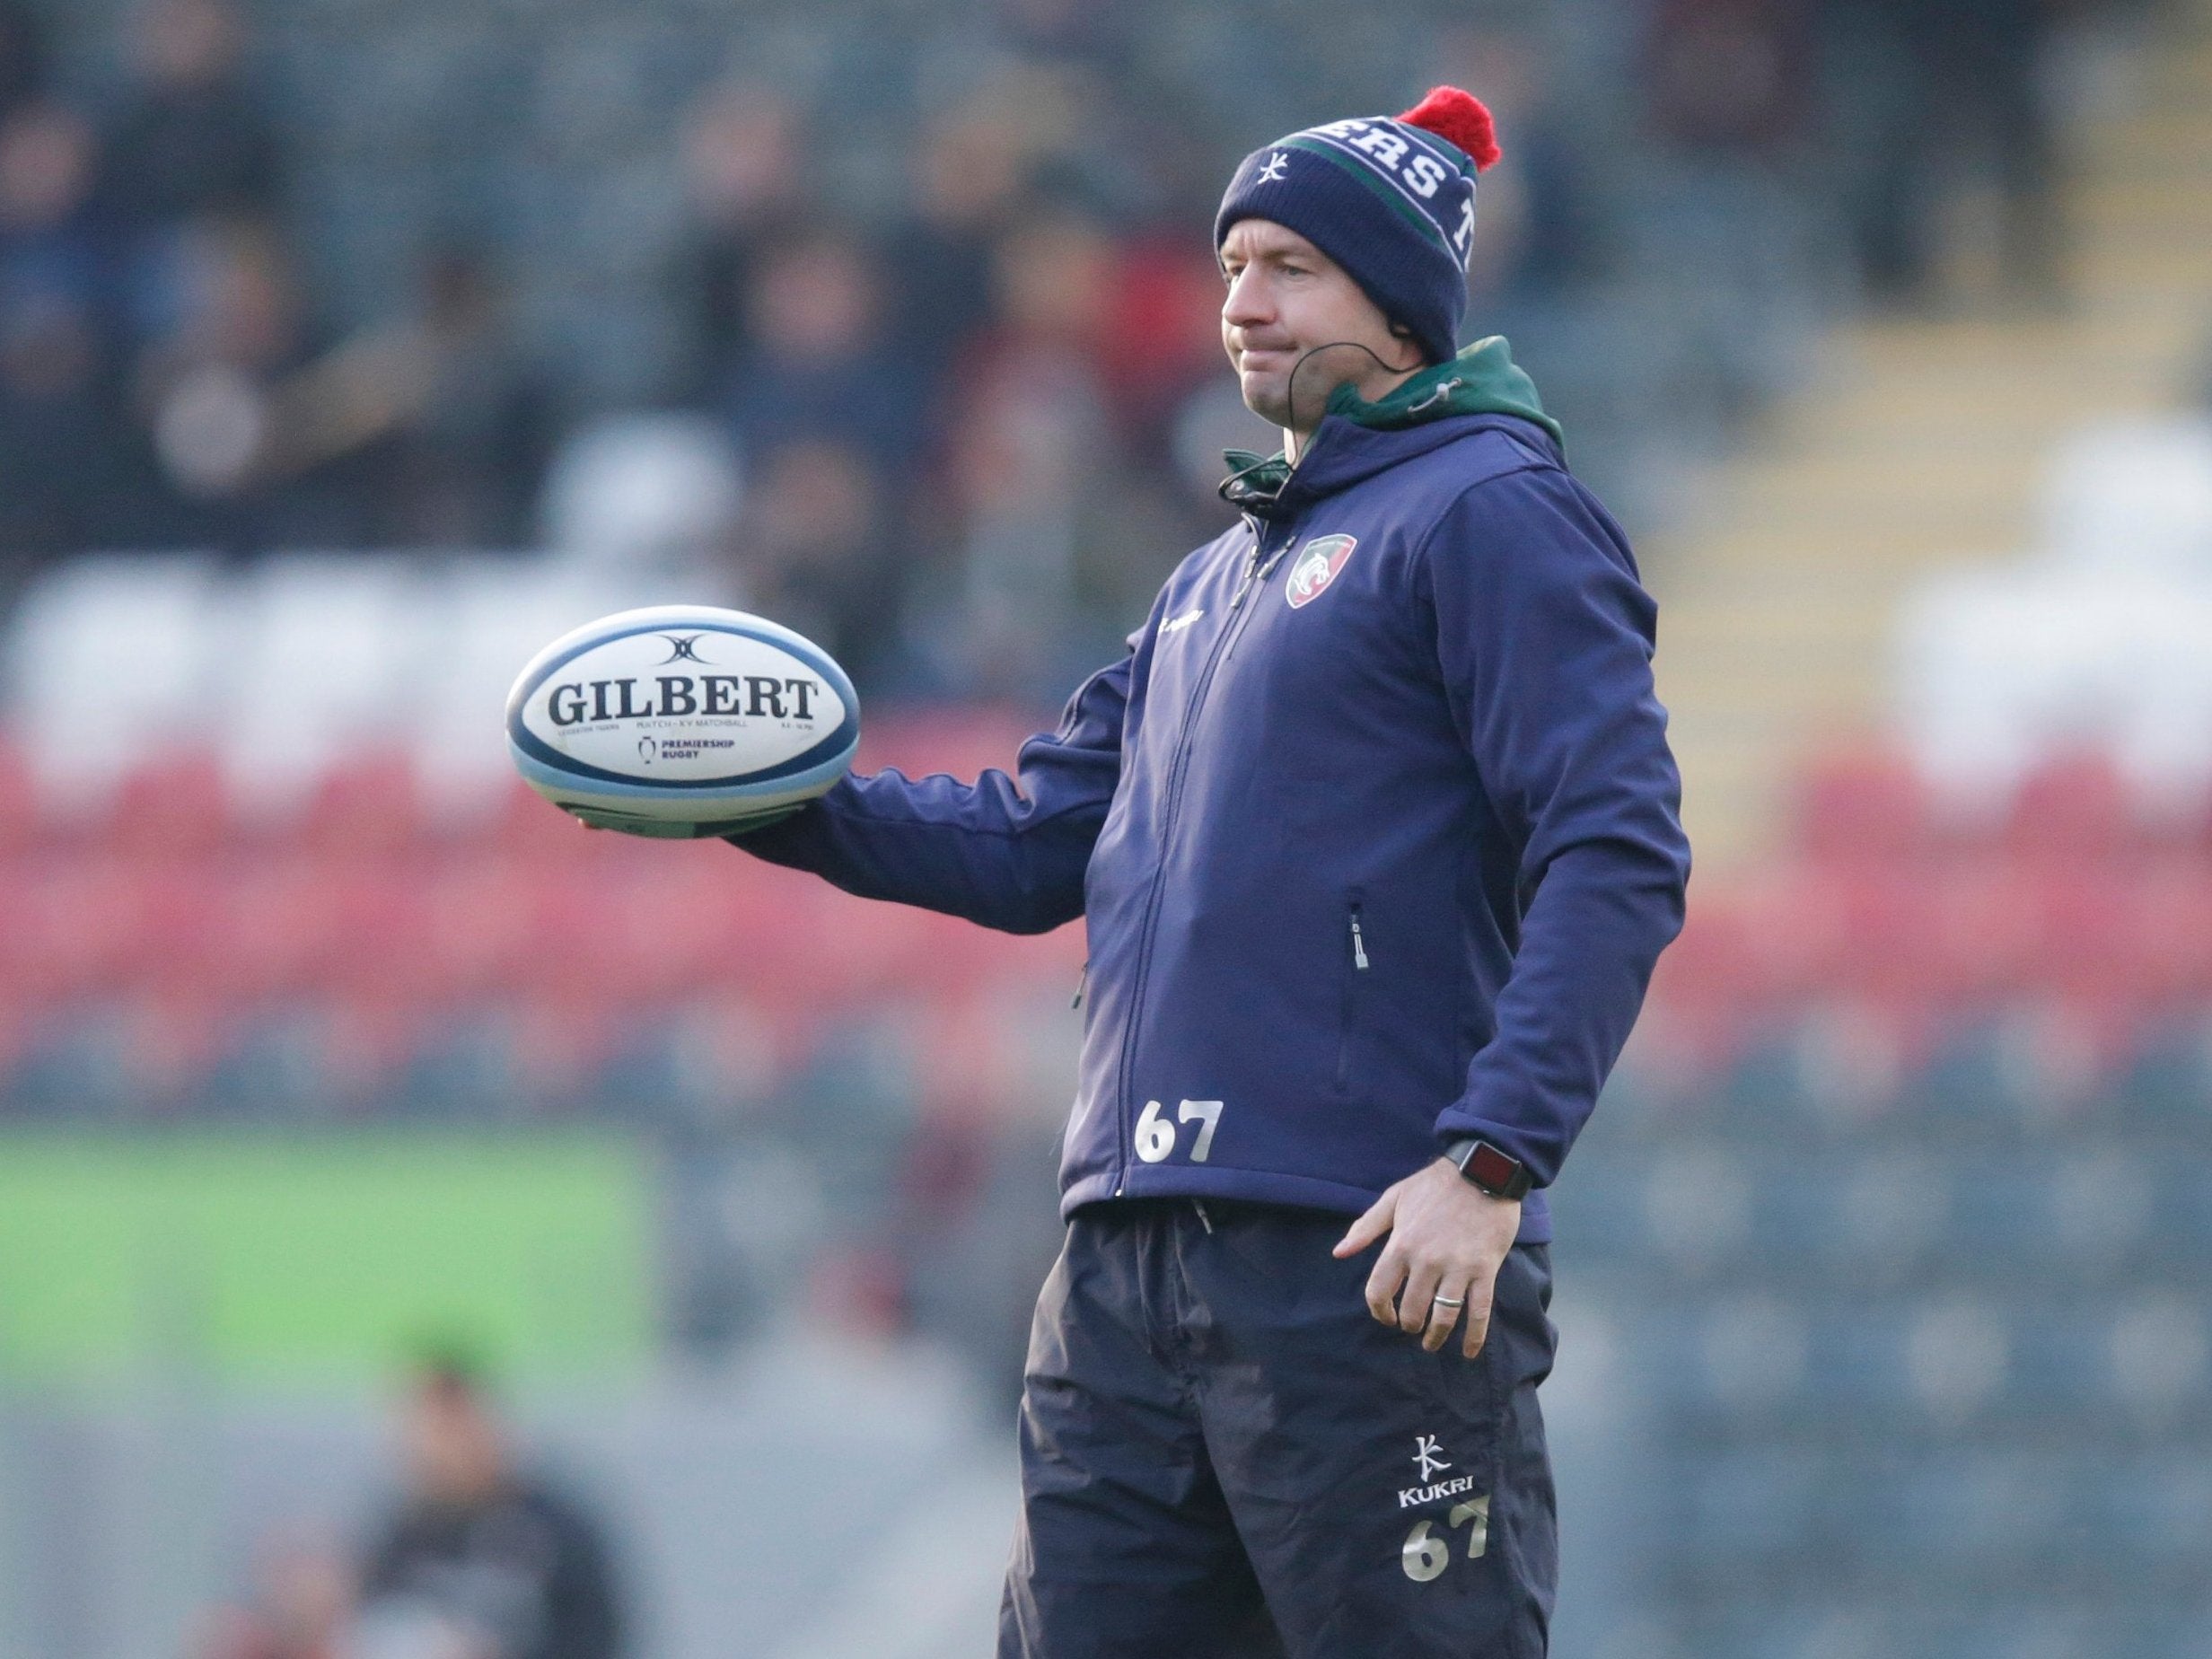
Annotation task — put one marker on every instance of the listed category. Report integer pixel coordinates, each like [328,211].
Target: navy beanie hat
[1391,198]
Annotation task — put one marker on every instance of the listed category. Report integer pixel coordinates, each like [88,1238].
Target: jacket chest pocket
[1359,968]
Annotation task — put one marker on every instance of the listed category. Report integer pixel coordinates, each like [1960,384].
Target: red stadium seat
[179,926]
[1822,929]
[2085,946]
[485,925]
[382,948]
[369,807]
[1863,804]
[667,927]
[531,827]
[788,941]
[1709,988]
[79,924]
[179,806]
[2012,932]
[18,799]
[639,934]
[1987,932]
[2167,925]
[2073,810]
[282,928]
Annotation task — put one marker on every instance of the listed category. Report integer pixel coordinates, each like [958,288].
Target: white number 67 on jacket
[1156,1136]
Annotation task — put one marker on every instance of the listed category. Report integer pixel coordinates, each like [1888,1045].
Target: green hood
[1482,380]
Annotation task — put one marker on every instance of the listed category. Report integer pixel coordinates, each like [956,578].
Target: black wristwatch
[1489,1168]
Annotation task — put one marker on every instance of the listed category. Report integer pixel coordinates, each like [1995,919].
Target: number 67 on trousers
[1424,1555]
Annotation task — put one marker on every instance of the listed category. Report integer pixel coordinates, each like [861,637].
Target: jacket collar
[1357,439]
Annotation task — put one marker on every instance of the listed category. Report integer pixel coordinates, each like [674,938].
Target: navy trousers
[1225,1456]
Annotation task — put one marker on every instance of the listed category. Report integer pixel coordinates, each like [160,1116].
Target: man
[480,1562]
[1375,831]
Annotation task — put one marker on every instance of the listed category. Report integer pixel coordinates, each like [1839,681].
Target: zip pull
[1244,582]
[1082,981]
[1359,945]
[1251,569]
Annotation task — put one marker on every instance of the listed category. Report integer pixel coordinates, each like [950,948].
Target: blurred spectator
[300,1607]
[61,484]
[1053,285]
[1952,76]
[1731,77]
[48,241]
[1163,313]
[968,172]
[1097,35]
[438,415]
[813,551]
[23,57]
[209,397]
[1536,226]
[190,138]
[744,190]
[480,1561]
[819,364]
[61,475]
[1029,441]
[1039,127]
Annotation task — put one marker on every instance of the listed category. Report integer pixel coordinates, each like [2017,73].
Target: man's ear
[1399,331]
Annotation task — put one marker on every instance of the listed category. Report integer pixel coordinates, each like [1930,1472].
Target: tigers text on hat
[1391,198]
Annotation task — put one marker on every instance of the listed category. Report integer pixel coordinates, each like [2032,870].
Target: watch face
[1486,1166]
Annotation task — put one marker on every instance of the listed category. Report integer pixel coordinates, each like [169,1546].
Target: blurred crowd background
[925,299]
[689,1212]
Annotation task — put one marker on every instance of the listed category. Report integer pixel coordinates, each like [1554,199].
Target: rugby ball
[681,721]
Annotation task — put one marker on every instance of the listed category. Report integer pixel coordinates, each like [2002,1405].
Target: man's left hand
[1447,1239]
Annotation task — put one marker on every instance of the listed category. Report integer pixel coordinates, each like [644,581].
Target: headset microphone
[1291,387]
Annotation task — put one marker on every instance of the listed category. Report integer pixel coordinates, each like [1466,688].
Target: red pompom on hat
[1457,117]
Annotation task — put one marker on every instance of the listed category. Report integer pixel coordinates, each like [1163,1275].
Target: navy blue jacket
[1375,828]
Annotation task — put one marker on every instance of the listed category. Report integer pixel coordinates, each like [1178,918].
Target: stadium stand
[1922,438]
[2101,638]
[1901,1223]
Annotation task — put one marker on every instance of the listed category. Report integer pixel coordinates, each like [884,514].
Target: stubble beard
[1268,398]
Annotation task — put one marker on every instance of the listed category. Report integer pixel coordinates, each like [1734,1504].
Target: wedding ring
[1448,1301]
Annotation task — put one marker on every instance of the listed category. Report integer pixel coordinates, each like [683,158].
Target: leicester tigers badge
[1316,567]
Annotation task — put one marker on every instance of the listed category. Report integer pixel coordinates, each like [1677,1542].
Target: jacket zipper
[1177,764]
[1351,995]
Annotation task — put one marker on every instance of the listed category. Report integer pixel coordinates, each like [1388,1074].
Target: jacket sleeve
[1545,637]
[1009,853]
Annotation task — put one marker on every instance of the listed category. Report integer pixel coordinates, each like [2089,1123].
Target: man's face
[1285,297]
[453,1449]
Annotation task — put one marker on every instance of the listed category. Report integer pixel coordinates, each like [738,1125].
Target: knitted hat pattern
[1391,198]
